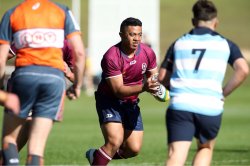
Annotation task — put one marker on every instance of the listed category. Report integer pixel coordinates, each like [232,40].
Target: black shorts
[41,89]
[183,126]
[115,110]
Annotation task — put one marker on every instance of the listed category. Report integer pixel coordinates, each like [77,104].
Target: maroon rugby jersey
[115,62]
[67,54]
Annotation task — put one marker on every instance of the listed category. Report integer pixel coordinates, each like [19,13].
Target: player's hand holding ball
[162,94]
[150,86]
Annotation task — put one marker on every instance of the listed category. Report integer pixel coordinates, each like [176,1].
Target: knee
[209,145]
[131,151]
[132,154]
[135,149]
[114,144]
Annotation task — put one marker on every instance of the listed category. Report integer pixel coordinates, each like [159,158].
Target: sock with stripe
[101,157]
[118,155]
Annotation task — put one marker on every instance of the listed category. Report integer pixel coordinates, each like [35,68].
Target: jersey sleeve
[235,52]
[110,65]
[152,59]
[5,29]
[167,63]
[71,25]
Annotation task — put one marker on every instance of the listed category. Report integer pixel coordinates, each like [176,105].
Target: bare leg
[39,132]
[11,129]
[204,153]
[113,134]
[177,153]
[23,136]
[132,144]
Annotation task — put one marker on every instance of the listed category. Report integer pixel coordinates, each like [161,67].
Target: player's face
[132,36]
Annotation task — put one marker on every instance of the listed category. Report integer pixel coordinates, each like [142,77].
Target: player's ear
[120,33]
[216,23]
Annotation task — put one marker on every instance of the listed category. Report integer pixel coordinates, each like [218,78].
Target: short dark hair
[204,10]
[130,22]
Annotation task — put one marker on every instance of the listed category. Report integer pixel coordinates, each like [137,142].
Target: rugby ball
[162,94]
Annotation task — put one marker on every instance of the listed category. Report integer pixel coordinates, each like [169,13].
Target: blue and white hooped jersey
[198,61]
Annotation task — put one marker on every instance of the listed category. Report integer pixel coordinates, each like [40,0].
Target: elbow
[241,67]
[245,71]
[80,54]
[119,95]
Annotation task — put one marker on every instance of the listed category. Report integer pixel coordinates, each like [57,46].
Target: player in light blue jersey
[193,70]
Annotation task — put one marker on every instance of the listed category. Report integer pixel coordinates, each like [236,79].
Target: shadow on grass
[227,150]
[232,150]
[227,156]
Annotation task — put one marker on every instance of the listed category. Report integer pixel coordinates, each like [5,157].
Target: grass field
[80,129]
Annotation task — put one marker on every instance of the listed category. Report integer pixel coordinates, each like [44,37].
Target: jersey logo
[144,68]
[132,62]
[13,160]
[109,116]
[36,6]
[39,38]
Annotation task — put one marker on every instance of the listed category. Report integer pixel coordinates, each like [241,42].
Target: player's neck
[128,51]
[211,24]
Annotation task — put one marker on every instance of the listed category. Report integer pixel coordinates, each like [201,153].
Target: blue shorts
[183,126]
[115,110]
[40,89]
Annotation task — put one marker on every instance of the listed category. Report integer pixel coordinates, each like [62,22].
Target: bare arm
[3,97]
[164,77]
[78,52]
[69,73]
[10,101]
[120,90]
[241,71]
[4,50]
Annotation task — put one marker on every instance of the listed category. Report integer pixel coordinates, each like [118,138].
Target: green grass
[80,130]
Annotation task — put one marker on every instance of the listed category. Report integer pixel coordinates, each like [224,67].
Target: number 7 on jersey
[202,52]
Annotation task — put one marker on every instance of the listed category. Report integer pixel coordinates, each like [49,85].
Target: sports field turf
[80,129]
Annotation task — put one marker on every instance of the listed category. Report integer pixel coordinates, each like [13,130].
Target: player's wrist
[77,87]
[69,75]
